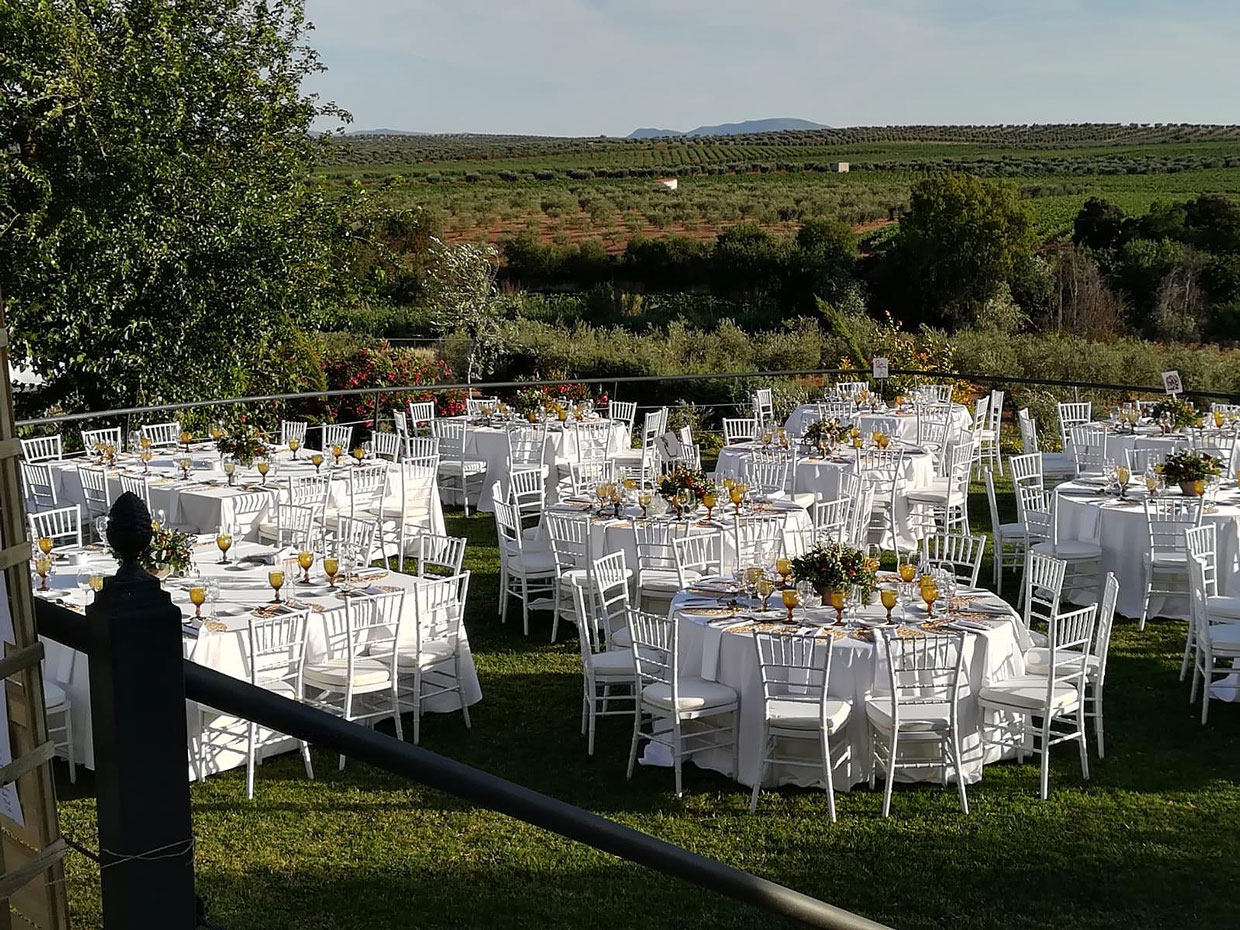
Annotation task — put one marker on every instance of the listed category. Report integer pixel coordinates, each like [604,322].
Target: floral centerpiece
[244,444]
[681,480]
[529,400]
[834,566]
[1176,413]
[822,434]
[1191,470]
[169,551]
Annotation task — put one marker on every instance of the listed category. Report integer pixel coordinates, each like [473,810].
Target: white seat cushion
[1028,692]
[1058,463]
[933,717]
[1070,549]
[927,496]
[455,466]
[334,673]
[1169,558]
[1225,638]
[1038,659]
[268,528]
[431,653]
[694,694]
[1224,606]
[804,499]
[666,579]
[53,694]
[626,457]
[282,688]
[621,639]
[534,560]
[614,663]
[803,715]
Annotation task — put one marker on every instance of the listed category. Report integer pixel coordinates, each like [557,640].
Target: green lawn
[1152,840]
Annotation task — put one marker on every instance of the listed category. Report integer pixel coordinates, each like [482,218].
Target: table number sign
[882,369]
[1172,383]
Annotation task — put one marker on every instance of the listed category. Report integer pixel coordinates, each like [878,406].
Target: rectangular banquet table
[243,588]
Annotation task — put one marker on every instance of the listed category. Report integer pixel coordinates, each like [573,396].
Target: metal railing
[364,744]
[614,382]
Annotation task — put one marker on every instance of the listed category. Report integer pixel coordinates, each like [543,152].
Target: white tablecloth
[1145,437]
[242,590]
[821,477]
[857,668]
[1125,540]
[906,421]
[205,502]
[490,444]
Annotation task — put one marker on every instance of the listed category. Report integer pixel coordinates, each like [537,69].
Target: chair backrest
[373,627]
[992,503]
[276,649]
[421,447]
[1106,619]
[43,449]
[440,555]
[367,486]
[1033,511]
[355,539]
[862,514]
[1220,443]
[570,540]
[794,669]
[831,519]
[958,465]
[63,526]
[507,525]
[527,491]
[1070,637]
[764,406]
[956,552]
[419,489]
[439,609]
[883,468]
[923,670]
[1226,409]
[655,644]
[451,435]
[338,434]
[739,429]
[111,435]
[701,553]
[421,413]
[1166,519]
[1201,542]
[387,445]
[609,588]
[767,474]
[139,485]
[293,429]
[1028,431]
[400,422]
[1089,448]
[653,542]
[476,406]
[1199,608]
[96,493]
[1044,576]
[309,491]
[623,411]
[527,446]
[162,434]
[1073,414]
[295,525]
[1027,469]
[850,389]
[933,423]
[1143,460]
[586,476]
[40,485]
[592,439]
[995,413]
[758,538]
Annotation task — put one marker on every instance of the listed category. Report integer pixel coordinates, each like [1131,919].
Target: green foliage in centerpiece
[244,444]
[680,479]
[1177,411]
[1190,465]
[822,432]
[834,566]
[168,549]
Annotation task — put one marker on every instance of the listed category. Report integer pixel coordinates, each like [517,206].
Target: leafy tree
[466,302]
[960,239]
[1212,222]
[1099,225]
[159,237]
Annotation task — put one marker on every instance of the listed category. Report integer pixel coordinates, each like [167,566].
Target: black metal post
[137,696]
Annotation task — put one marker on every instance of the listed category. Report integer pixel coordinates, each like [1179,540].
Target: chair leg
[593,719]
[69,744]
[1045,774]
[460,693]
[1205,686]
[637,722]
[555,609]
[1190,643]
[525,606]
[249,762]
[1145,601]
[305,758]
[677,762]
[828,775]
[1098,728]
[1083,739]
[890,773]
[960,786]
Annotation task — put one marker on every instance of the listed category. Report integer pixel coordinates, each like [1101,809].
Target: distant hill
[384,132]
[732,129]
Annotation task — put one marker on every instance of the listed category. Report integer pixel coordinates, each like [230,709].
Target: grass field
[1151,841]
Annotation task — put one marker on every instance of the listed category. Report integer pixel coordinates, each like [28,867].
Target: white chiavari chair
[584,477]
[767,473]
[698,556]
[1007,539]
[1037,509]
[1142,460]
[63,526]
[59,707]
[385,445]
[1027,470]
[934,422]
[1220,443]
[110,435]
[457,473]
[654,425]
[623,412]
[957,553]
[43,449]
[657,577]
[526,570]
[739,429]
[796,705]
[764,408]
[605,667]
[1214,643]
[831,519]
[407,514]
[430,665]
[1201,542]
[573,547]
[527,491]
[1057,466]
[665,696]
[527,446]
[1088,444]
[921,706]
[339,435]
[1165,559]
[945,503]
[477,406]
[758,538]
[987,430]
[39,486]
[357,679]
[276,659]
[440,556]
[162,434]
[1230,410]
[293,429]
[421,415]
[862,513]
[1043,591]
[421,447]
[368,484]
[400,422]
[138,485]
[591,440]
[849,390]
[354,541]
[1056,696]
[1073,414]
[96,492]
[884,470]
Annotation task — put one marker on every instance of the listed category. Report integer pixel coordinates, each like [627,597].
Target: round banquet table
[821,478]
[609,534]
[905,420]
[243,588]
[720,648]
[490,444]
[1124,539]
[205,502]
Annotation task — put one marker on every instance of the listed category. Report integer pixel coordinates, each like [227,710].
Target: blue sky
[590,67]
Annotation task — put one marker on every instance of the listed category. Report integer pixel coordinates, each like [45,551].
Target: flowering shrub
[379,364]
[833,566]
